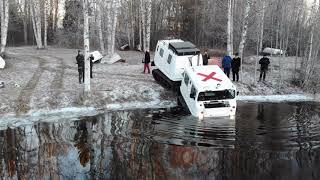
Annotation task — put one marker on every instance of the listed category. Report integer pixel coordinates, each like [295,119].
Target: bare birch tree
[114,25]
[244,32]
[262,24]
[143,23]
[86,44]
[4,7]
[45,12]
[99,26]
[36,22]
[230,28]
[308,63]
[108,26]
[148,24]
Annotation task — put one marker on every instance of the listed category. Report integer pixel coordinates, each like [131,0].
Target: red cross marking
[210,76]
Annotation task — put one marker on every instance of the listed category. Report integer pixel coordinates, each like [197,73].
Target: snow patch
[64,114]
[2,63]
[277,98]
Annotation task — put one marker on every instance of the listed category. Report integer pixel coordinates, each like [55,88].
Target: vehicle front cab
[208,102]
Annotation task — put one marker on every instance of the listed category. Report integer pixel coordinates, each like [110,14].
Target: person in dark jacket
[146,62]
[235,65]
[80,62]
[91,65]
[226,65]
[264,62]
[205,58]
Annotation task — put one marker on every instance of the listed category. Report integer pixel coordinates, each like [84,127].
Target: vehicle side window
[169,59]
[161,52]
[193,91]
[186,79]
[157,48]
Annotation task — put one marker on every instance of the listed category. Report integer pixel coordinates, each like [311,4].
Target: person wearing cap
[205,58]
[80,62]
[146,62]
[226,64]
[235,65]
[91,65]
[264,66]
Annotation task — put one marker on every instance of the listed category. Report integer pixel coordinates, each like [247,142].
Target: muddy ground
[48,79]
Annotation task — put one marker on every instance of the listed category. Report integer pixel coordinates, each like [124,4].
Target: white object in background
[1,84]
[2,63]
[97,56]
[273,51]
[111,60]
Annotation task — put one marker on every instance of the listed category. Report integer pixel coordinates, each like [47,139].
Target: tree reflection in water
[267,141]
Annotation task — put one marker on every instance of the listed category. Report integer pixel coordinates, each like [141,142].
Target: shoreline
[47,80]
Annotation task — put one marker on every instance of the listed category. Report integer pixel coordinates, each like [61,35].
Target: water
[264,141]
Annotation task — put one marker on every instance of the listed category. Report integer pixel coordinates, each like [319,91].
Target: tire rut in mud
[56,85]
[24,98]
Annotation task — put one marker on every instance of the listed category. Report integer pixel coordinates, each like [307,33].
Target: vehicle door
[192,99]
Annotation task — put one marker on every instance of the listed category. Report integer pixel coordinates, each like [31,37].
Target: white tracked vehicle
[204,91]
[207,92]
[171,58]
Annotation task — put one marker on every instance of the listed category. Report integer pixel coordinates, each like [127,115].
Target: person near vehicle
[91,65]
[146,62]
[235,65]
[226,64]
[205,58]
[80,62]
[264,62]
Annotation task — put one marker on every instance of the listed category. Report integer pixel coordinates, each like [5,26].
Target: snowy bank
[68,114]
[277,98]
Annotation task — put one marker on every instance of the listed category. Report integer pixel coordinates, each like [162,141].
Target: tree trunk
[99,25]
[308,63]
[229,29]
[86,44]
[140,27]
[143,23]
[244,32]
[4,7]
[114,26]
[148,24]
[36,21]
[109,27]
[133,22]
[25,25]
[45,39]
[262,25]
[55,21]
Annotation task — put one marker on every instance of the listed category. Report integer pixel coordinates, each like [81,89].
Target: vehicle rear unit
[171,59]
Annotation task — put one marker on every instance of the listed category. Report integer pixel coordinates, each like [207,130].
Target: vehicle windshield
[217,95]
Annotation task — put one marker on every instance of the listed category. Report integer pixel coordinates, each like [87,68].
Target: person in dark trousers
[80,62]
[226,65]
[91,65]
[235,65]
[146,62]
[264,62]
[205,58]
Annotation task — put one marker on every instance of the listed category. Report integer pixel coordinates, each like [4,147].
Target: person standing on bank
[80,62]
[146,62]
[235,65]
[91,64]
[226,65]
[264,62]
[205,58]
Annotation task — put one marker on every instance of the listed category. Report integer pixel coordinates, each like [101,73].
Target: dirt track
[48,79]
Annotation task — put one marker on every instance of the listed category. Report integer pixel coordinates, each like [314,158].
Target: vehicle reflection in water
[266,141]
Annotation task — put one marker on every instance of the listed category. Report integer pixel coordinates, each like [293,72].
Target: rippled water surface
[264,141]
